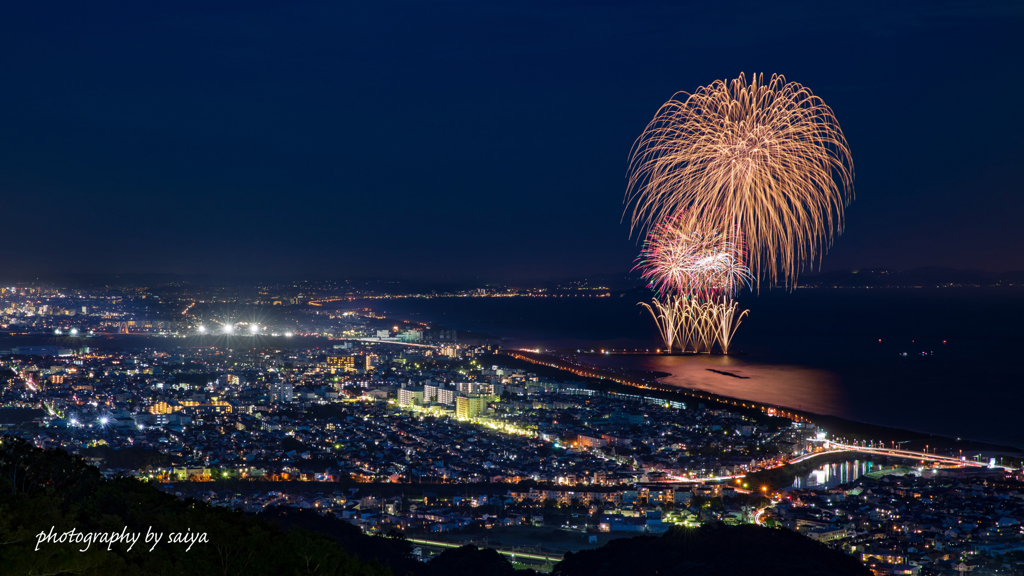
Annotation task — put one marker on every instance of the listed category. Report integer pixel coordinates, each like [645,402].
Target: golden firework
[764,160]
[696,324]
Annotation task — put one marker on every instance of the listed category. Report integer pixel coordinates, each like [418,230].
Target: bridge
[839,448]
[836,447]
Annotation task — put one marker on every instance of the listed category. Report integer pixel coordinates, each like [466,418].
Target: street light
[201,329]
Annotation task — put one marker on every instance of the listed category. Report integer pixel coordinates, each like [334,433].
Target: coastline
[862,355]
[849,429]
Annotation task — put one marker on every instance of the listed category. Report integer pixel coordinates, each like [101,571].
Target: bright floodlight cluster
[736,183]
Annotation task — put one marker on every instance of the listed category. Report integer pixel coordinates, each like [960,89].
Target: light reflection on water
[781,384]
[832,475]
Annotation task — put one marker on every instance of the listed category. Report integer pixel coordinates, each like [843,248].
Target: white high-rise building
[410,396]
[281,391]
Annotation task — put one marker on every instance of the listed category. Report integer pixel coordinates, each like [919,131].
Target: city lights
[409,402]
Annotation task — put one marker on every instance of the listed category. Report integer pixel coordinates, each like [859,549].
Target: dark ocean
[833,351]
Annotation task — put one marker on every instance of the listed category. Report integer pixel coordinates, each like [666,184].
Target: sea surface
[944,361]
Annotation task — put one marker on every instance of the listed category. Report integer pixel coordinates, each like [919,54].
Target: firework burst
[683,256]
[763,159]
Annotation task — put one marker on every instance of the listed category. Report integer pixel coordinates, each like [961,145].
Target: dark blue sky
[471,139]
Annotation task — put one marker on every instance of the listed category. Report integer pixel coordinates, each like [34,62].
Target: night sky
[464,140]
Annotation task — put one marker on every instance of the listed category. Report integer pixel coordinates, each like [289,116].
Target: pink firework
[682,256]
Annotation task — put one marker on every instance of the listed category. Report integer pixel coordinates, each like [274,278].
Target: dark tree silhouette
[713,551]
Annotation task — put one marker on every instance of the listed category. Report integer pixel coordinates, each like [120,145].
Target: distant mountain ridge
[931,276]
[927,277]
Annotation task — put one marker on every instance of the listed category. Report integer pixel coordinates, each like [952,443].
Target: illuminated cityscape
[302,396]
[511,288]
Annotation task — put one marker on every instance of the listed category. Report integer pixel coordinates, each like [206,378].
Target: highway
[553,558]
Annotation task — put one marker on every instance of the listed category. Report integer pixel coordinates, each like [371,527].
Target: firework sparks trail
[691,323]
[727,320]
[666,316]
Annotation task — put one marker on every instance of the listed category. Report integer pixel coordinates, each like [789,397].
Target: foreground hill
[713,551]
[49,490]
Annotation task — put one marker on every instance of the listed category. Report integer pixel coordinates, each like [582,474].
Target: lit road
[388,341]
[543,557]
[759,514]
[685,479]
